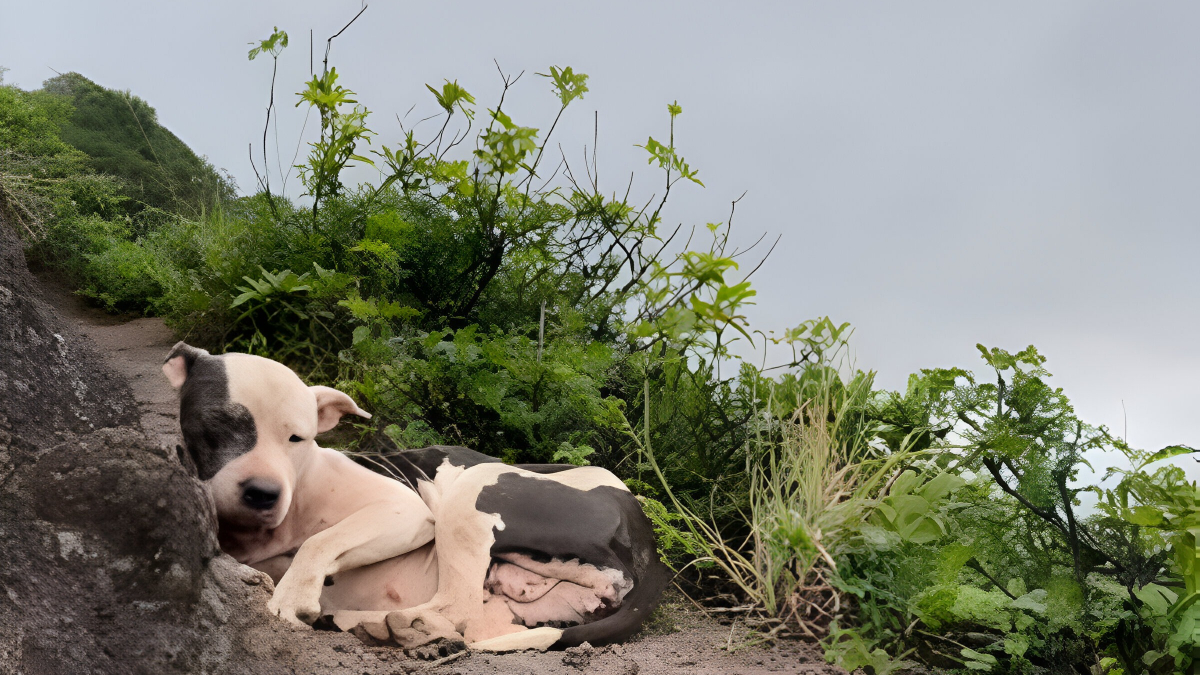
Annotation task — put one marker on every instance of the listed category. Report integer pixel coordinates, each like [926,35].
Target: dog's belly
[397,583]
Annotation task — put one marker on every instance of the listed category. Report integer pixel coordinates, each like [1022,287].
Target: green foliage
[810,483]
[290,317]
[666,156]
[84,216]
[471,297]
[568,84]
[490,391]
[453,96]
[851,651]
[273,45]
[122,137]
[42,178]
[30,123]
[676,546]
[1163,507]
[1054,587]
[123,276]
[341,132]
[909,508]
[572,454]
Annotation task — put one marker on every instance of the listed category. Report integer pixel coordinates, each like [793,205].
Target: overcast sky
[942,173]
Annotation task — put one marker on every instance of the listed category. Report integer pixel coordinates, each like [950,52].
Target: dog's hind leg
[464,548]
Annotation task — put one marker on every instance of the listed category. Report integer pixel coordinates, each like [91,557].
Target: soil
[222,626]
[133,347]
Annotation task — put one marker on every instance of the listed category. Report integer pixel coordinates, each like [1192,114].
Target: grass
[812,478]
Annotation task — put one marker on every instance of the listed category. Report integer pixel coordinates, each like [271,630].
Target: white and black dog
[462,549]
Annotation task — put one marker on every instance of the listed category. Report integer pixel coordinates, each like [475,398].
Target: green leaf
[905,483]
[1158,598]
[1034,601]
[568,84]
[243,298]
[978,660]
[1167,453]
[952,559]
[1016,645]
[1148,516]
[453,95]
[925,531]
[940,487]
[273,45]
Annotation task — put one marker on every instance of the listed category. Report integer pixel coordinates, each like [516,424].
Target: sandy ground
[679,639]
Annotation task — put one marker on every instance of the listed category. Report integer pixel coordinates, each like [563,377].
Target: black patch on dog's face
[216,430]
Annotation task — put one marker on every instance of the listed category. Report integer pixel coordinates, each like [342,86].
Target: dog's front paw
[437,649]
[295,605]
[424,635]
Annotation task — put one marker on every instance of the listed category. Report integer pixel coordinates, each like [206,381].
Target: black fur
[603,526]
[411,466]
[215,430]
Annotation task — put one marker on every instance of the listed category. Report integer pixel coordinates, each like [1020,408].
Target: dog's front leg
[376,532]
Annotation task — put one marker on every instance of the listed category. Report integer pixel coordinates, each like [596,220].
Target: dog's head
[249,425]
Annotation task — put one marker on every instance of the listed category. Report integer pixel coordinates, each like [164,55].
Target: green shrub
[470,301]
[490,391]
[124,277]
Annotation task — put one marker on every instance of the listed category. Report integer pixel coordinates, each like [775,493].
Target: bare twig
[329,42]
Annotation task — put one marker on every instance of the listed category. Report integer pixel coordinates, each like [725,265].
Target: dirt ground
[678,640]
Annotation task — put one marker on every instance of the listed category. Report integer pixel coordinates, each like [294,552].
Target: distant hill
[121,136]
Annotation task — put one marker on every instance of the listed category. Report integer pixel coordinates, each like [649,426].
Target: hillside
[122,136]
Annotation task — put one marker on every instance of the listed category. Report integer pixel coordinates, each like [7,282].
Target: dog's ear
[331,405]
[179,362]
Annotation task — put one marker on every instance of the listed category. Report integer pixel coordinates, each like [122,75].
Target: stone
[578,657]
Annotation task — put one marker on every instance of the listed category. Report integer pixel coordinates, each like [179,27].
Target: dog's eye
[295,439]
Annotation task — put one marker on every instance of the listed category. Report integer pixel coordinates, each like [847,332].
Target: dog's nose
[260,497]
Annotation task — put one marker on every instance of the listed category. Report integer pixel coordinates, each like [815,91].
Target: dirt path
[135,348]
[679,641]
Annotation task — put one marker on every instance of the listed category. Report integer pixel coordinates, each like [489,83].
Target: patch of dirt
[698,645]
[111,563]
[133,347]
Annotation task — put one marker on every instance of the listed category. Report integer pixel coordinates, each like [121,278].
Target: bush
[124,277]
[470,298]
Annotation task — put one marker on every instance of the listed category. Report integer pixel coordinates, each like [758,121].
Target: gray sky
[942,173]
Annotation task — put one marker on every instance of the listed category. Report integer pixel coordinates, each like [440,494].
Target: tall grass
[812,477]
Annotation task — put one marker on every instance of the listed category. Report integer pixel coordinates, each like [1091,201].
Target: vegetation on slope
[478,295]
[122,137]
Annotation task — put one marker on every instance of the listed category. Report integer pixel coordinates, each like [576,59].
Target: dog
[453,549]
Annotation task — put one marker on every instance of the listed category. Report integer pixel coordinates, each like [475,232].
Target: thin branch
[329,42]
[978,567]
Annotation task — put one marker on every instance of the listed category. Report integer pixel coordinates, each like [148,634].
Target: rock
[46,382]
[109,549]
[579,657]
